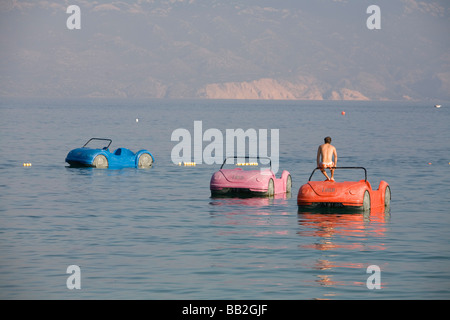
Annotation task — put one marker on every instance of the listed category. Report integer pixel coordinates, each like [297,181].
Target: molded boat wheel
[288,184]
[100,161]
[270,188]
[366,201]
[145,161]
[387,197]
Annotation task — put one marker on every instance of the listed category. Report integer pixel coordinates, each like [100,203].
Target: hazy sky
[176,48]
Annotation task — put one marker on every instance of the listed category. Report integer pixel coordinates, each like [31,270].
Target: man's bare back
[325,154]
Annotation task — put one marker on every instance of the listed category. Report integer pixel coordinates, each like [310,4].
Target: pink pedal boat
[246,179]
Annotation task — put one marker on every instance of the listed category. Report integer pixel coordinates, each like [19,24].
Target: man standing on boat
[325,155]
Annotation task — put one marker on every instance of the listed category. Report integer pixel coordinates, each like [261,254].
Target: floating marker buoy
[137,120]
[27,164]
[187,164]
[429,162]
[343,113]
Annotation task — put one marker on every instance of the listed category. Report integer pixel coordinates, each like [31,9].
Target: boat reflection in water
[259,244]
[252,223]
[239,210]
[348,241]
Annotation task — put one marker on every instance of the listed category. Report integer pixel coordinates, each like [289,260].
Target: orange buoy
[343,113]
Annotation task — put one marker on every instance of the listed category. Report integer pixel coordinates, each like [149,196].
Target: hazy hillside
[254,49]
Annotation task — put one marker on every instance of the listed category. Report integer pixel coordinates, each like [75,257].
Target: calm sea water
[157,233]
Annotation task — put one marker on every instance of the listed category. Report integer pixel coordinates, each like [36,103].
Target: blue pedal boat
[103,158]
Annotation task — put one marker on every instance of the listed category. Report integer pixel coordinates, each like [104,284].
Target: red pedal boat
[346,194]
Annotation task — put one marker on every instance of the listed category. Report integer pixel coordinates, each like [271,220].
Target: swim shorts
[324,165]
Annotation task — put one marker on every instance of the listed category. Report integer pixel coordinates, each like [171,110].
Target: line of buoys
[27,164]
[187,164]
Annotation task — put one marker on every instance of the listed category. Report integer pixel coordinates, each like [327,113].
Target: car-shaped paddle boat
[103,158]
[357,195]
[245,179]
